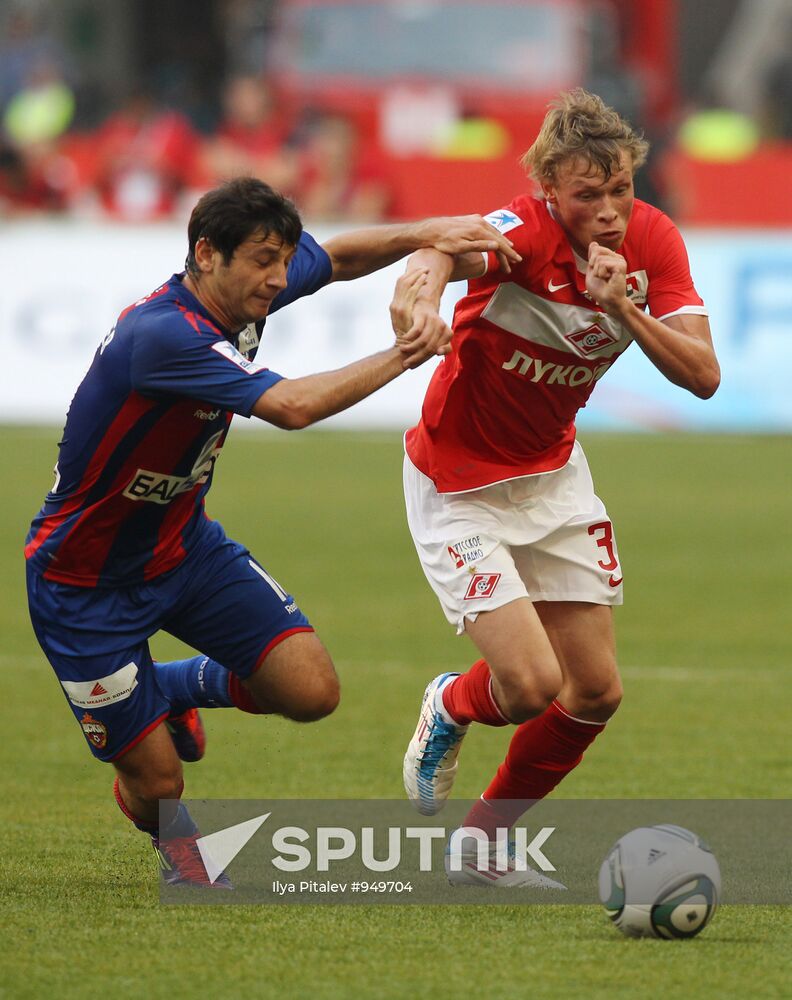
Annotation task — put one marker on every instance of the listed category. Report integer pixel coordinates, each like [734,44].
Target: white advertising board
[64,283]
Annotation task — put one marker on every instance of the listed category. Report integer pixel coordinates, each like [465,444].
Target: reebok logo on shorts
[104,690]
[482,585]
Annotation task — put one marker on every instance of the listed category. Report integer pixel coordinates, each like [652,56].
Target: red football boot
[188,734]
[181,863]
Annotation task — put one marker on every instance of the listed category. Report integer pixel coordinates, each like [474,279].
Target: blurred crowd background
[115,115]
[371,109]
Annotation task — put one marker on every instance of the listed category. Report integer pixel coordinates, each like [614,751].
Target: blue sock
[195,683]
[181,825]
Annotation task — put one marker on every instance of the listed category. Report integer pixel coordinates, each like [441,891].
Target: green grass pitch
[703,529]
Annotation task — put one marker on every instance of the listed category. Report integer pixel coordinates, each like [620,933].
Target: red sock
[241,697]
[469,698]
[542,752]
[142,824]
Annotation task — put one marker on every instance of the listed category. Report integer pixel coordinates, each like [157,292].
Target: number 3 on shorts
[605,541]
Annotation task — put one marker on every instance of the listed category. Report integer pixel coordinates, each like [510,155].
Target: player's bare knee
[166,787]
[610,699]
[155,786]
[599,701]
[525,701]
[319,698]
[528,706]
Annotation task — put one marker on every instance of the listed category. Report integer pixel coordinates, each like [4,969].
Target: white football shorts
[547,537]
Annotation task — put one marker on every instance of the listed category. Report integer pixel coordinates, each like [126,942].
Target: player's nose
[277,276]
[608,210]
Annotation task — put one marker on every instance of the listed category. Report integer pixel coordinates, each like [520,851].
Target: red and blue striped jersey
[144,430]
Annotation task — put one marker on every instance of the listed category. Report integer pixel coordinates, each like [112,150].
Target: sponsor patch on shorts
[482,585]
[466,552]
[104,690]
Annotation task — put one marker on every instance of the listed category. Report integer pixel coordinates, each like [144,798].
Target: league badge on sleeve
[229,351]
[503,220]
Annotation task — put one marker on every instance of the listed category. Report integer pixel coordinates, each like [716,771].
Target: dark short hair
[229,214]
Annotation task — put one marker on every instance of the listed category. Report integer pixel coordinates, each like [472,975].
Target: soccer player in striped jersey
[513,540]
[122,546]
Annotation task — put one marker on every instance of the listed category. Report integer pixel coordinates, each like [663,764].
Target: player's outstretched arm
[365,250]
[295,403]
[679,346]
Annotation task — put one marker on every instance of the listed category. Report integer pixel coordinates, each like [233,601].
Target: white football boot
[430,764]
[502,873]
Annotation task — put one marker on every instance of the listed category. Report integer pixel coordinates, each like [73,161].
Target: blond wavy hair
[580,124]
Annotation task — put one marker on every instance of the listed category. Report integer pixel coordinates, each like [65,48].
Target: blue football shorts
[219,600]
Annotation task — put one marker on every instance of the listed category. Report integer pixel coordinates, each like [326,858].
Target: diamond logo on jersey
[95,731]
[637,287]
[482,585]
[104,690]
[590,340]
[503,220]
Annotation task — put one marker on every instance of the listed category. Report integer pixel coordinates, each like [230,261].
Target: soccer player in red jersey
[513,540]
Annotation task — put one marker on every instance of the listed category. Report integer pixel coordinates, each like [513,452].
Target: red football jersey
[529,347]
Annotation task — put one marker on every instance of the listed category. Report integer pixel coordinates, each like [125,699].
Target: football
[660,881]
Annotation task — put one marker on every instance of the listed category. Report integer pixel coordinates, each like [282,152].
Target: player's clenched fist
[606,277]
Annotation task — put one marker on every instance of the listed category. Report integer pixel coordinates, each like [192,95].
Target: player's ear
[204,254]
[549,192]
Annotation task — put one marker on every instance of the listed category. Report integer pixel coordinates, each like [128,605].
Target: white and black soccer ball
[660,881]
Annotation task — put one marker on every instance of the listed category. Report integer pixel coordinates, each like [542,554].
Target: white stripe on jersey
[549,323]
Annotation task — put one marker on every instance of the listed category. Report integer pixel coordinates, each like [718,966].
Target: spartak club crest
[592,339]
[482,585]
